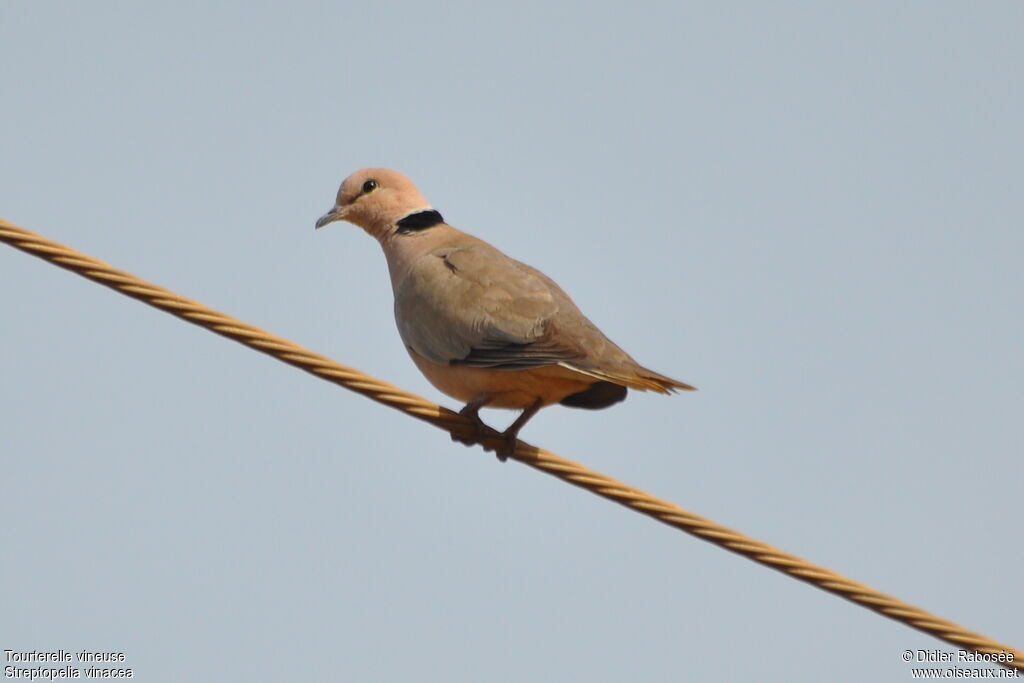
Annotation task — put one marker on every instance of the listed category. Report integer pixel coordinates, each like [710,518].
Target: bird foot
[506,444]
[470,411]
[503,450]
[506,447]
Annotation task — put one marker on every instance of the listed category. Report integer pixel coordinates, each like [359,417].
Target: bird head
[375,199]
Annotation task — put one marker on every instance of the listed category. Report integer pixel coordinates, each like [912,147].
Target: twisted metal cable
[538,458]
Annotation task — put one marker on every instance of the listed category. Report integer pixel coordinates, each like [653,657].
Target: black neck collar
[421,220]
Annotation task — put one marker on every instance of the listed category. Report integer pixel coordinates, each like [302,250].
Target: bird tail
[655,381]
[638,377]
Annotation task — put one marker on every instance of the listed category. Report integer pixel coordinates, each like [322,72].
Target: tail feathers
[663,384]
[641,379]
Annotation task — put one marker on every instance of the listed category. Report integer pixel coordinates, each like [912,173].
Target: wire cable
[538,458]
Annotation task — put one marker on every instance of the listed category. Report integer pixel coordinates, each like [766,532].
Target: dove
[482,327]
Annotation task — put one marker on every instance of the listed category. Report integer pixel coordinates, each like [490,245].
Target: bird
[482,327]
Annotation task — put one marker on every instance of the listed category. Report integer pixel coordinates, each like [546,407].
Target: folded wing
[473,305]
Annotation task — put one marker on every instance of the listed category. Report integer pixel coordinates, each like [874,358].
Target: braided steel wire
[538,458]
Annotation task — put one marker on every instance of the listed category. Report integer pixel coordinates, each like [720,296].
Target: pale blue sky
[812,211]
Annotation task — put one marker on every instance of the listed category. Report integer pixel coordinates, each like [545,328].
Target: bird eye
[369,186]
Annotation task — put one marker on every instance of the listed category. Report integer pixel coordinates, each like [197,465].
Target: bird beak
[335,214]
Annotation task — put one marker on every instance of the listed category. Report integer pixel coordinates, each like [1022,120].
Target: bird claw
[469,440]
[505,449]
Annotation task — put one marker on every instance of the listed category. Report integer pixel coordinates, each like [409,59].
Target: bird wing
[470,304]
[473,305]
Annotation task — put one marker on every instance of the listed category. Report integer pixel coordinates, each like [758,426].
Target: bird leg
[508,437]
[472,411]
